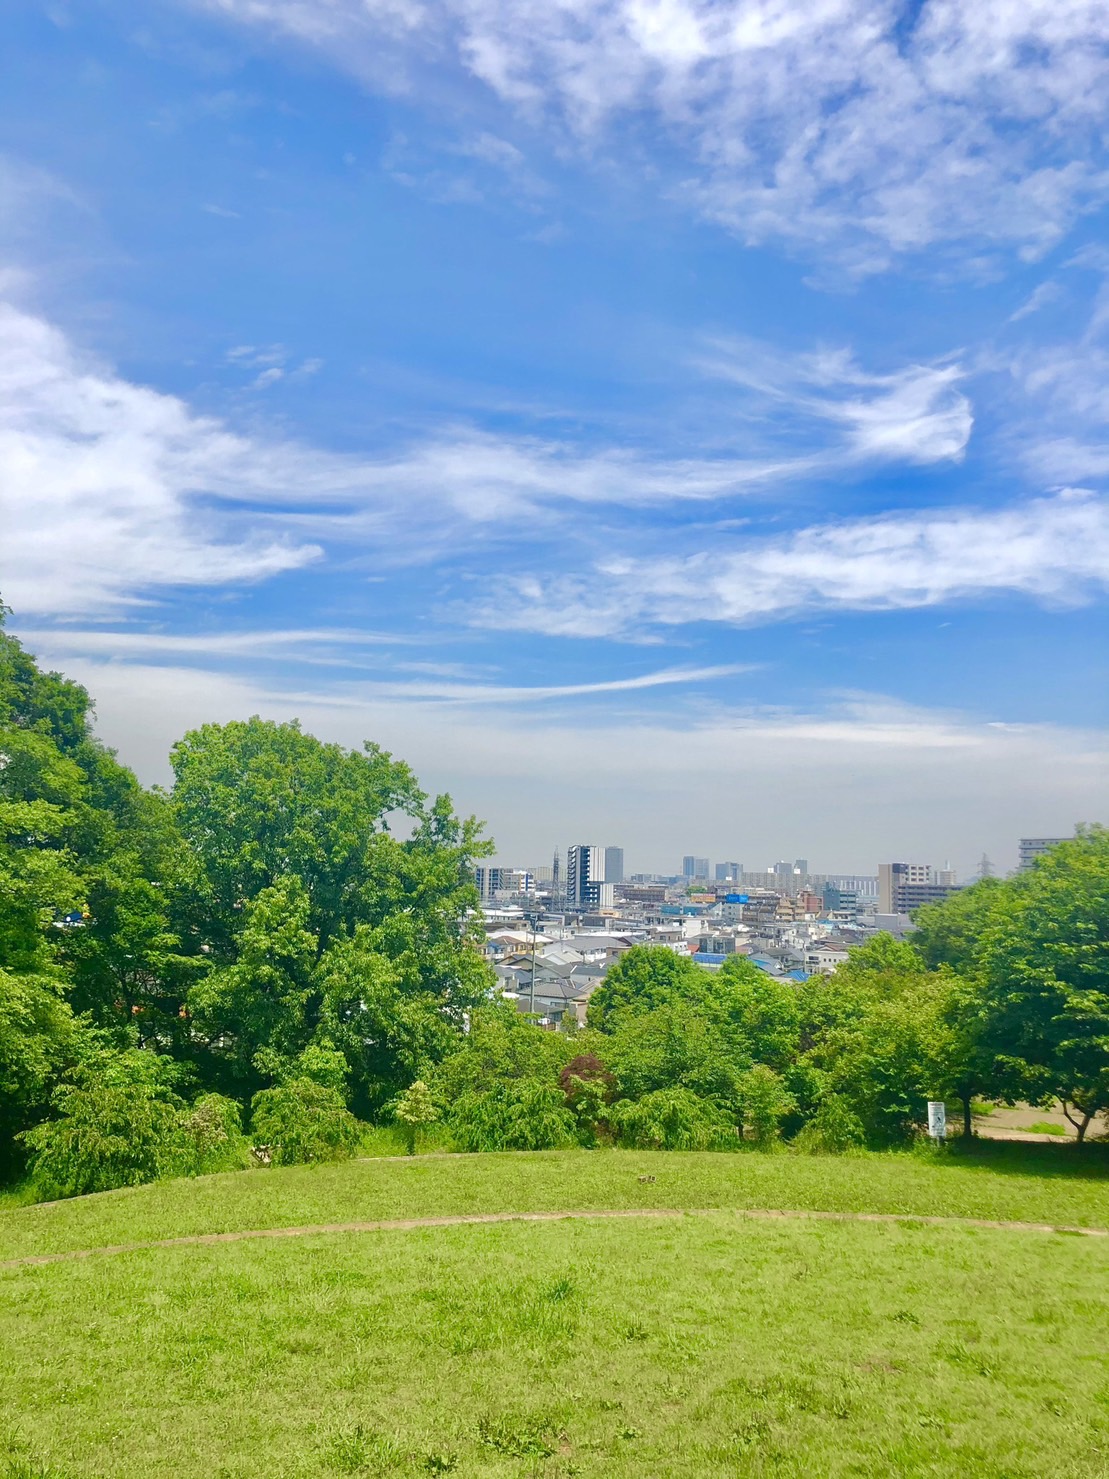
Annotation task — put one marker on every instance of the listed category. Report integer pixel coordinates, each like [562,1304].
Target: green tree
[265,999]
[765,1101]
[765,1012]
[261,802]
[501,1046]
[414,1111]
[214,1125]
[37,1042]
[678,1045]
[833,1129]
[645,977]
[391,1027]
[951,933]
[1043,963]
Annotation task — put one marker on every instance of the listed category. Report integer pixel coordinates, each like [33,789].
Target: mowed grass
[699,1346]
[1058,1184]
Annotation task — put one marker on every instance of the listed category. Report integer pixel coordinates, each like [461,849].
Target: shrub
[834,1128]
[414,1111]
[588,1087]
[117,1124]
[764,1099]
[522,1114]
[672,1119]
[215,1125]
[302,1121]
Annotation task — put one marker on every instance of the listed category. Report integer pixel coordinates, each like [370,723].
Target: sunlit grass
[1053,1183]
[671,1350]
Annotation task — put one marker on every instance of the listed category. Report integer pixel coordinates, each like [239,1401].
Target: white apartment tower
[585,869]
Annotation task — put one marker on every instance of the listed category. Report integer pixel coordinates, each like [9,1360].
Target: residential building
[842,901]
[614,865]
[585,873]
[1031,848]
[903,887]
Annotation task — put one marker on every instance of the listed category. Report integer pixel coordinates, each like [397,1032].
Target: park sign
[937,1119]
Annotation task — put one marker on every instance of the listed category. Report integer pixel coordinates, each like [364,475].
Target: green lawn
[696,1346]
[1014,1181]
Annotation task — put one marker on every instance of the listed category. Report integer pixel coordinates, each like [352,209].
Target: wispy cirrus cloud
[111,492]
[343,649]
[917,413]
[1053,550]
[866,128]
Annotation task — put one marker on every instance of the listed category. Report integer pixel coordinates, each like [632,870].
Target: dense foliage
[277,951]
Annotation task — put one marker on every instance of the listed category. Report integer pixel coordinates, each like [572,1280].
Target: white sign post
[937,1119]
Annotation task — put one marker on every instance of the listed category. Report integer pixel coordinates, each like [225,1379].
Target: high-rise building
[1032,848]
[585,869]
[493,881]
[695,867]
[801,866]
[614,865]
[729,872]
[903,887]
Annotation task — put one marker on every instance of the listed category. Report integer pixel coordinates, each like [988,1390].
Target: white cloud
[914,414]
[1040,297]
[827,783]
[341,649]
[110,491]
[850,124]
[1054,550]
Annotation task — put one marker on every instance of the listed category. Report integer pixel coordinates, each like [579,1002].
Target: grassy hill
[689,1346]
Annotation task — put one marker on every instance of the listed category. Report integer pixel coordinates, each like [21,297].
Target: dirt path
[465,1219]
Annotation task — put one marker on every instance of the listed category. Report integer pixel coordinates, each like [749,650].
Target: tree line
[281,950]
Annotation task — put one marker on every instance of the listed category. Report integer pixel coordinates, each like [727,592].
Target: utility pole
[532,922]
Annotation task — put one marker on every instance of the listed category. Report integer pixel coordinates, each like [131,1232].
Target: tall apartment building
[695,867]
[585,873]
[614,865]
[903,887]
[729,872]
[493,881]
[1031,848]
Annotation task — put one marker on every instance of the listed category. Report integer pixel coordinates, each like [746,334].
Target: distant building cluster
[552,932]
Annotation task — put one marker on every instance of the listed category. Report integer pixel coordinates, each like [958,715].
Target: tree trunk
[1080,1125]
[968,1121]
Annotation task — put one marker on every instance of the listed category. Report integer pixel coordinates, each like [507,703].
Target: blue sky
[663,422]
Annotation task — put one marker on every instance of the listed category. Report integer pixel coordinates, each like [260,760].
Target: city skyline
[676,436]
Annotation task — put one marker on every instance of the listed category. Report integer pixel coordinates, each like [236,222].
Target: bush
[834,1128]
[765,1100]
[522,1114]
[215,1126]
[588,1087]
[117,1125]
[414,1111]
[672,1119]
[303,1121]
